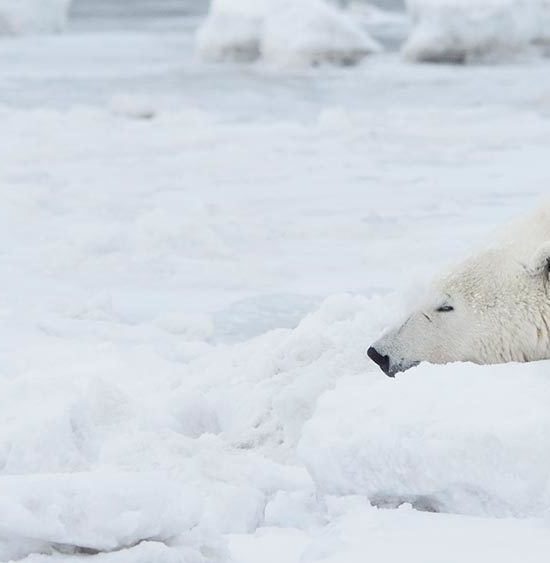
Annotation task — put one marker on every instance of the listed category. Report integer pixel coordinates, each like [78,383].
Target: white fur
[501,302]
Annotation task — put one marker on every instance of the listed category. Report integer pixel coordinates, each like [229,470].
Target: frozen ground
[195,259]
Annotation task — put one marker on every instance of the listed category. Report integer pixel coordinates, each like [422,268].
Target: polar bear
[492,308]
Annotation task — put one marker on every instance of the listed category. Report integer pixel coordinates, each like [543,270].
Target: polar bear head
[493,308]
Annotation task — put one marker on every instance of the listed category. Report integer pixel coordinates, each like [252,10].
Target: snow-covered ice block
[284,32]
[310,32]
[458,31]
[232,30]
[459,438]
[19,17]
[542,23]
[92,511]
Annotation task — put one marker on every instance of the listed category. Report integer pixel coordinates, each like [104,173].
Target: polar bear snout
[388,354]
[391,367]
[382,361]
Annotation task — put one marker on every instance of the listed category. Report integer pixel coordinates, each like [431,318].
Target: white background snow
[195,258]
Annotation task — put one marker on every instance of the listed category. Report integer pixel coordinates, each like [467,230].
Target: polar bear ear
[540,263]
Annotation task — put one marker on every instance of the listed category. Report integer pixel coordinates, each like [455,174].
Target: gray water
[136,13]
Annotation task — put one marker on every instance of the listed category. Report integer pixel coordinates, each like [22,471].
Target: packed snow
[283,32]
[33,16]
[195,259]
[397,442]
[90,512]
[358,531]
[460,31]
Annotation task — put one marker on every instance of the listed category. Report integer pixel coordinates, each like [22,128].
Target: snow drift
[459,31]
[91,512]
[461,438]
[283,32]
[33,16]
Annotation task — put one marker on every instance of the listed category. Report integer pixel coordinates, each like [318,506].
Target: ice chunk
[91,511]
[310,32]
[301,32]
[459,31]
[232,30]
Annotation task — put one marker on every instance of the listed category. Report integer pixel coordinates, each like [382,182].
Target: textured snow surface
[467,30]
[33,16]
[91,511]
[358,530]
[283,32]
[194,260]
[398,441]
[127,354]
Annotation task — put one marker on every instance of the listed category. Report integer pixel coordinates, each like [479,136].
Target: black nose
[383,362]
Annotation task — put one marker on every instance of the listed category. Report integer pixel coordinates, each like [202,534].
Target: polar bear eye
[445,309]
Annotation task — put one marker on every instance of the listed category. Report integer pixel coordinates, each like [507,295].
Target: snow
[272,545]
[91,511]
[397,442]
[195,258]
[467,30]
[357,530]
[232,30]
[33,16]
[283,32]
[309,32]
[138,107]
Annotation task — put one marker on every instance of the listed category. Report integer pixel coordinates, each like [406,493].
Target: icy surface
[195,258]
[33,16]
[461,31]
[283,32]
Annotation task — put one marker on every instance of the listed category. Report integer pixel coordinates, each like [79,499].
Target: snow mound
[283,32]
[259,393]
[91,512]
[460,31]
[232,30]
[311,32]
[18,17]
[461,439]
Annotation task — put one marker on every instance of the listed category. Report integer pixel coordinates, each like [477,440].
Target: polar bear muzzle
[383,362]
[388,365]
